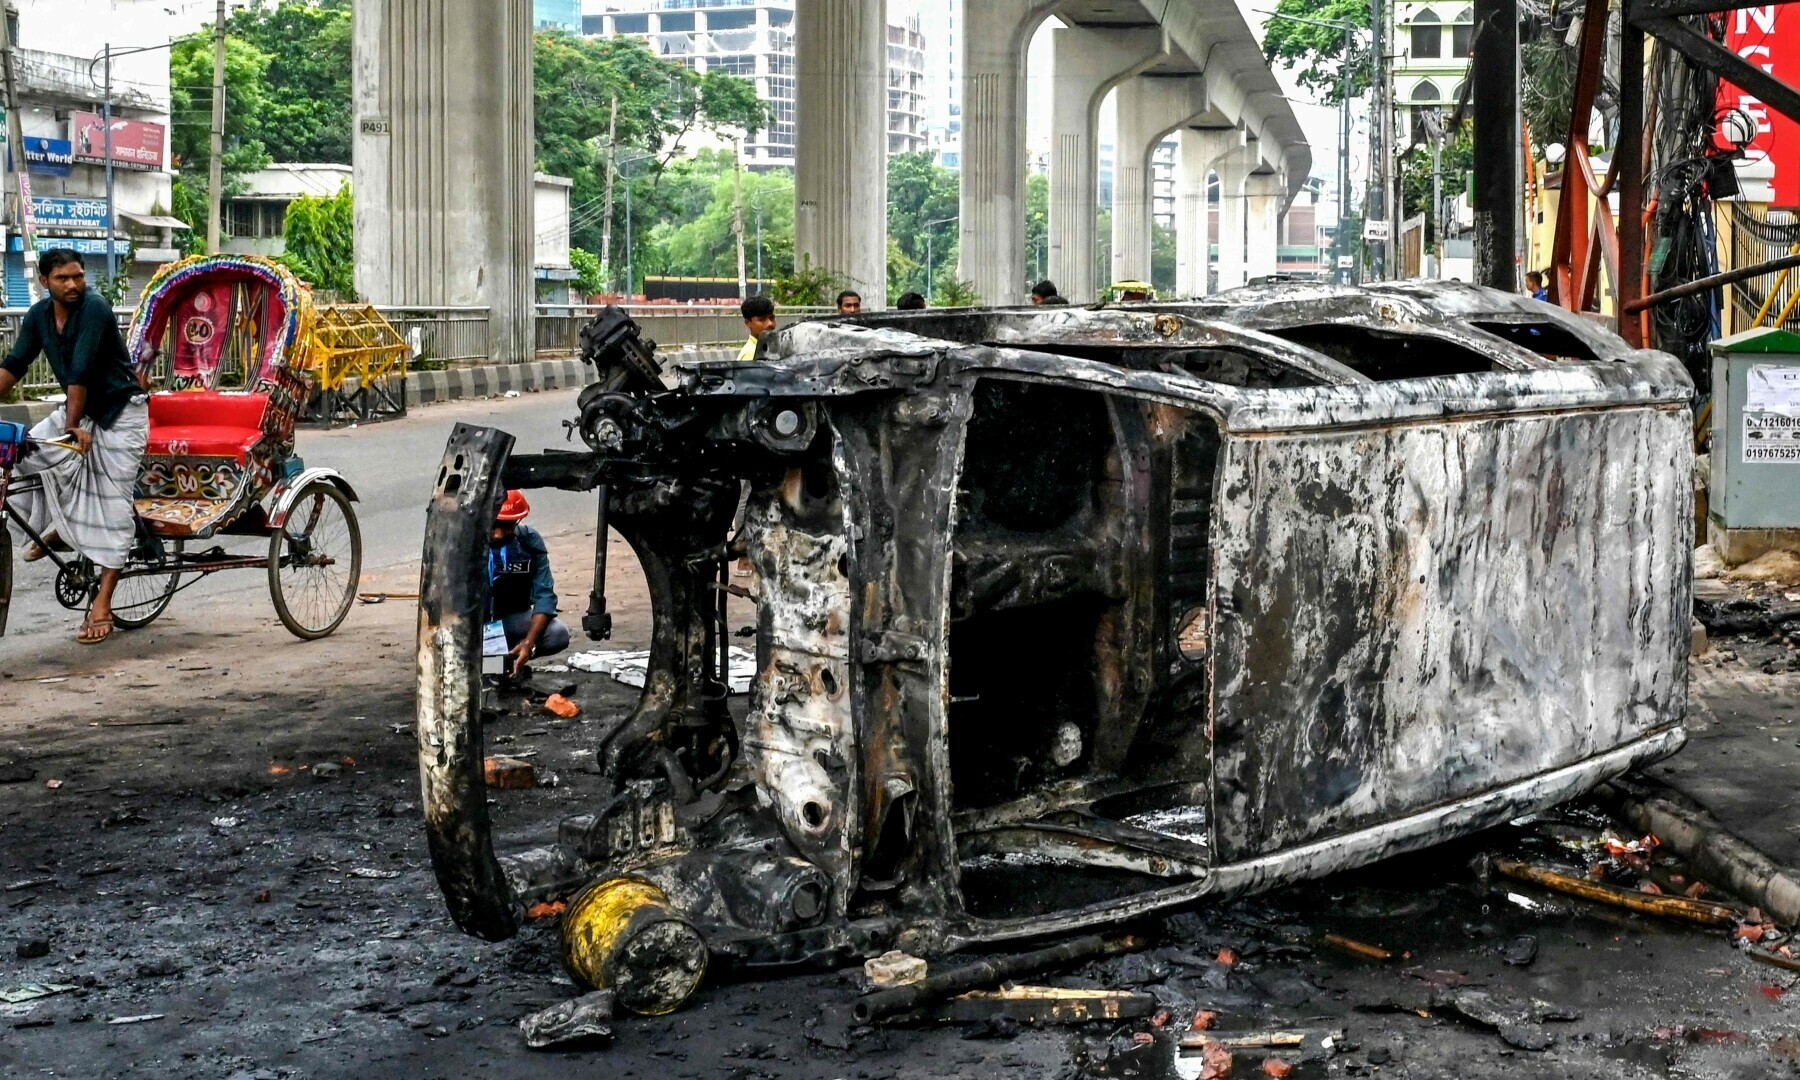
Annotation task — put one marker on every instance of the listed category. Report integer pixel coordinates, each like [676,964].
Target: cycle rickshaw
[220,467]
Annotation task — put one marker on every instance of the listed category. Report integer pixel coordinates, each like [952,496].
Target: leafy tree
[321,242]
[1318,52]
[900,269]
[306,110]
[589,278]
[1457,161]
[1162,258]
[701,244]
[807,285]
[190,128]
[1037,226]
[659,103]
[921,191]
[953,291]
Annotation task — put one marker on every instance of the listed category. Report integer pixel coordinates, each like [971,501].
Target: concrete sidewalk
[1742,760]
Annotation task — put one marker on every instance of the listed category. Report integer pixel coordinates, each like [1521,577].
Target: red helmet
[515,508]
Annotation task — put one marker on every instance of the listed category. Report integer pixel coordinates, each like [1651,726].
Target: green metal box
[1755,469]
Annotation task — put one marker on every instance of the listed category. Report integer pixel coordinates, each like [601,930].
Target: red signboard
[1769,37]
[136,144]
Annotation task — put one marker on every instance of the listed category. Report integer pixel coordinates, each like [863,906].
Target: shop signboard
[86,245]
[47,157]
[1767,36]
[136,144]
[68,214]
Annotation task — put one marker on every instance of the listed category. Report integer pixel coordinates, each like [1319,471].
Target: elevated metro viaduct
[444,146]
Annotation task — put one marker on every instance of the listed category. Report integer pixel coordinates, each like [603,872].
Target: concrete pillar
[1233,170]
[1088,64]
[1150,106]
[1193,249]
[1265,197]
[444,157]
[841,141]
[995,37]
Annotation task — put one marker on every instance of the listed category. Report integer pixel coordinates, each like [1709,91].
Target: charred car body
[1065,616]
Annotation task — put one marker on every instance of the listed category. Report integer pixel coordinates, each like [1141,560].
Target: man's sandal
[94,631]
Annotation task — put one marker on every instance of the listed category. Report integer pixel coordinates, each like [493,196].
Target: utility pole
[737,215]
[215,171]
[112,259]
[612,150]
[1494,105]
[15,157]
[1342,247]
[1375,203]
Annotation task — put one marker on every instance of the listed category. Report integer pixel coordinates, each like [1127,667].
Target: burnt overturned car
[1067,616]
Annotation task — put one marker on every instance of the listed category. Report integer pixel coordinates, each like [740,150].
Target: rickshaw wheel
[75,584]
[315,562]
[141,598]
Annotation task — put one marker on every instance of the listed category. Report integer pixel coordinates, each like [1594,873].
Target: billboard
[1769,37]
[136,144]
[79,214]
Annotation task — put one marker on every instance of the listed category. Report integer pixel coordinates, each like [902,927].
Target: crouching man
[521,590]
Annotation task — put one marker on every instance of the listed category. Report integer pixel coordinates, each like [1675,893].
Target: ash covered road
[233,862]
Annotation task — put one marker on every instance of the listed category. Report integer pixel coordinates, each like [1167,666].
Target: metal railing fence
[460,336]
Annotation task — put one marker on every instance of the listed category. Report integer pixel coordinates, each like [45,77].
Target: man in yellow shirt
[759,319]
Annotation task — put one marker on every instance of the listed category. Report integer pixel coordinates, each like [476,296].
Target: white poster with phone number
[1771,438]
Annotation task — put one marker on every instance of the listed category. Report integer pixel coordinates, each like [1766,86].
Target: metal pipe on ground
[873,1007]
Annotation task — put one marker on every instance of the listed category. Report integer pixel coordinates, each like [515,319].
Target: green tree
[701,244]
[1037,226]
[1162,259]
[578,79]
[807,286]
[305,115]
[921,192]
[1458,160]
[1318,53]
[589,278]
[190,125]
[321,242]
[952,291]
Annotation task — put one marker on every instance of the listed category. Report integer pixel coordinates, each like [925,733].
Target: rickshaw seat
[206,423]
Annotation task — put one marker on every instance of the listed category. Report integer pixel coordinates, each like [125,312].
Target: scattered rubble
[586,1019]
[893,968]
[509,773]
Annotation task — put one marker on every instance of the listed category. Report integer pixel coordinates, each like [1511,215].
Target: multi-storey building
[755,39]
[557,15]
[60,108]
[1431,42]
[943,79]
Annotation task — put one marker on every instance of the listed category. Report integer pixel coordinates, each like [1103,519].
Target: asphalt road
[391,465]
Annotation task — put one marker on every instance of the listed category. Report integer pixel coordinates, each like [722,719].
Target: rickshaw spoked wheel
[75,584]
[152,577]
[315,562]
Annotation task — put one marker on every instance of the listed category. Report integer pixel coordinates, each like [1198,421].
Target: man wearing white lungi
[86,499]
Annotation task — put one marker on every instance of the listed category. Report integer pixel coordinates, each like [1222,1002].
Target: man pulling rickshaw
[84,499]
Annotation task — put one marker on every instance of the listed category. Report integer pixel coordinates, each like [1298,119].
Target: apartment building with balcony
[755,39]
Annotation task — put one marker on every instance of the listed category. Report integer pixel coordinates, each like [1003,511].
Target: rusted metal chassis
[1362,735]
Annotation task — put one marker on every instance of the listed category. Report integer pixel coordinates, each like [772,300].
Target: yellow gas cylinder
[621,935]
